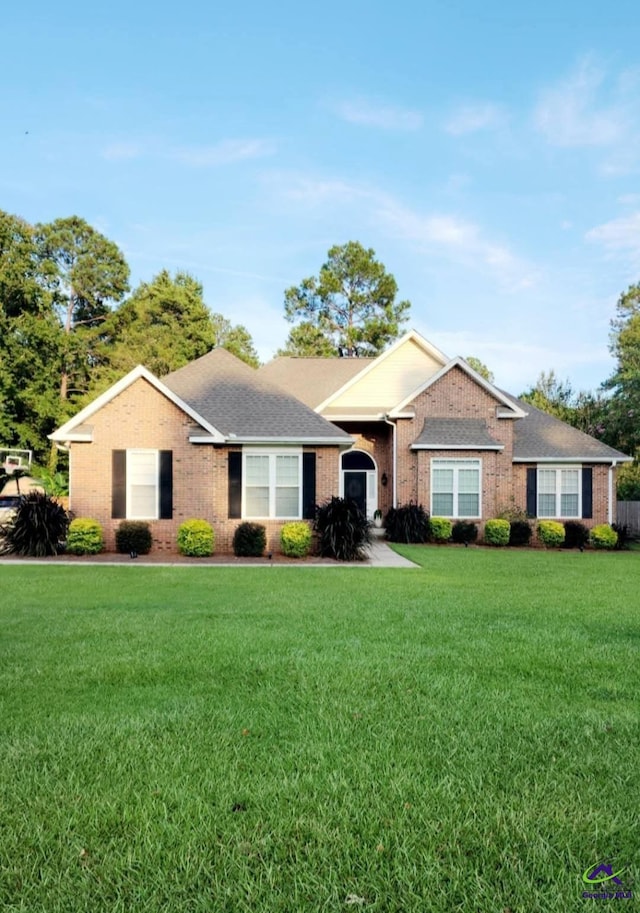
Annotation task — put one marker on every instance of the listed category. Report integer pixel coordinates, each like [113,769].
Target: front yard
[461,737]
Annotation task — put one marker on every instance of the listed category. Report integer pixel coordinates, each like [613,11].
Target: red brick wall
[141,417]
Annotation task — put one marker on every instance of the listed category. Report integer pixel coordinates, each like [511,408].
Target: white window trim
[559,468]
[468,461]
[272,453]
[129,511]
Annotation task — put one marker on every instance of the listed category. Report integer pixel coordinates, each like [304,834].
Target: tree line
[70,326]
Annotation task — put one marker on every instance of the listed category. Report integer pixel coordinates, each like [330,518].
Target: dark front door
[355,488]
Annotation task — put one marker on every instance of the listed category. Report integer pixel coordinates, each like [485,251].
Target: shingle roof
[540,436]
[312,380]
[238,401]
[454,434]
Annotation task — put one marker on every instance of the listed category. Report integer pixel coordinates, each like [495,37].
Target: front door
[355,488]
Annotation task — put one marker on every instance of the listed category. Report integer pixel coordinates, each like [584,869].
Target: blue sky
[488,152]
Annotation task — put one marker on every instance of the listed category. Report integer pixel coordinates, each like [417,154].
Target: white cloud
[473,118]
[619,237]
[226,152]
[575,113]
[385,117]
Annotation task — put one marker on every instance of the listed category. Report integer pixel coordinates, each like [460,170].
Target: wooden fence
[629,516]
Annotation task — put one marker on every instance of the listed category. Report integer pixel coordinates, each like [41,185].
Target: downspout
[394,460]
[614,463]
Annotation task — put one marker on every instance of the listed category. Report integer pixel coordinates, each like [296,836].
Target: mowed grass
[459,737]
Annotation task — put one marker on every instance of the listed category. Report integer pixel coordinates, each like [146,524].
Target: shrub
[519,532]
[576,534]
[249,540]
[409,524]
[497,532]
[464,532]
[343,530]
[551,533]
[440,529]
[603,536]
[196,539]
[133,537]
[85,537]
[295,539]
[624,535]
[38,527]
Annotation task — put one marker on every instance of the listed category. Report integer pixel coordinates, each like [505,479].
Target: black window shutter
[118,484]
[308,485]
[235,484]
[587,492]
[166,484]
[532,492]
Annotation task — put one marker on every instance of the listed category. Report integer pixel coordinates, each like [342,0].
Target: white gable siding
[390,381]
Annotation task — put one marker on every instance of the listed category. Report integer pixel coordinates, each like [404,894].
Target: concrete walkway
[383,556]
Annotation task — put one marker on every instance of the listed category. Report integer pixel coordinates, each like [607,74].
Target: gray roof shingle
[312,380]
[238,401]
[540,436]
[456,433]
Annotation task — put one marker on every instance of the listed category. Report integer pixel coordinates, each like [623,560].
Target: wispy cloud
[619,237]
[584,110]
[473,118]
[368,113]
[226,152]
[122,151]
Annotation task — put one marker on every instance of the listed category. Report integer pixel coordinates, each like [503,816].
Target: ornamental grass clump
[133,537]
[408,523]
[551,533]
[249,540]
[38,528]
[497,532]
[440,529]
[342,529]
[85,537]
[295,539]
[196,538]
[603,537]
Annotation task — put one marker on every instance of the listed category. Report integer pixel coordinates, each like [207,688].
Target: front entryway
[359,480]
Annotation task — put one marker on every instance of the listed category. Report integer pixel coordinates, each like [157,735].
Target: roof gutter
[612,469]
[394,458]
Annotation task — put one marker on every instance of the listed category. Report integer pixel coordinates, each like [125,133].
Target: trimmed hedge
[551,533]
[497,532]
[440,529]
[464,532]
[576,534]
[196,538]
[295,539]
[603,536]
[520,532]
[249,540]
[85,537]
[133,537]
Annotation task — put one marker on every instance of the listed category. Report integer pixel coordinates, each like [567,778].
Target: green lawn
[460,737]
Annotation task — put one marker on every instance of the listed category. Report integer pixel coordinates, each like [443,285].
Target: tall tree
[623,415]
[480,367]
[235,338]
[352,303]
[552,395]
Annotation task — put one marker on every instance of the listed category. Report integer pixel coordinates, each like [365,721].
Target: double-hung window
[272,484]
[455,488]
[559,491]
[142,484]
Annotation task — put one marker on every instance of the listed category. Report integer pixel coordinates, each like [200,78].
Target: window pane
[442,505]
[443,480]
[287,502]
[257,501]
[142,501]
[287,468]
[468,505]
[547,481]
[257,470]
[570,481]
[468,480]
[546,505]
[569,505]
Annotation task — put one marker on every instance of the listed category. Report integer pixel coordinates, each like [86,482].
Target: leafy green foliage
[196,538]
[351,304]
[407,523]
[133,537]
[85,537]
[603,536]
[576,534]
[628,482]
[520,532]
[480,367]
[295,539]
[464,532]
[249,540]
[497,532]
[38,527]
[55,484]
[342,529]
[551,533]
[440,529]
